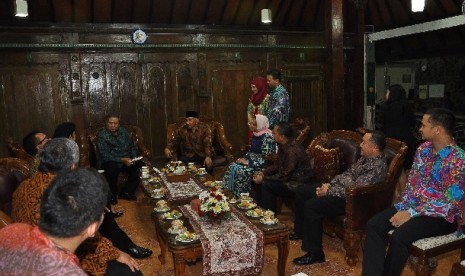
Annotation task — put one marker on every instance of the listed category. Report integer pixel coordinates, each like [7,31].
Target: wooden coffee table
[191,252]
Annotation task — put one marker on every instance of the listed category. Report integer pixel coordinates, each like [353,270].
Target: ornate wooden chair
[89,153]
[12,172]
[17,150]
[423,252]
[221,146]
[333,153]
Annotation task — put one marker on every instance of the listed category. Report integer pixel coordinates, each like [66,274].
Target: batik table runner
[181,190]
[231,246]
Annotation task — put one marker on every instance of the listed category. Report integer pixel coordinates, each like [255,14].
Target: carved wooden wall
[152,87]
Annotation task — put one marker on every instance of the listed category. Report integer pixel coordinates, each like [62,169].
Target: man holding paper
[117,154]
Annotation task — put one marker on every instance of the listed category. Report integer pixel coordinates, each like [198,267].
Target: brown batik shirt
[293,166]
[197,140]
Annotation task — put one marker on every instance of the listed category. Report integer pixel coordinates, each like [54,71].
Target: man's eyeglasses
[42,141]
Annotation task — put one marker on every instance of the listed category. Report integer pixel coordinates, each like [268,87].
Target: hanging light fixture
[418,5]
[21,8]
[266,16]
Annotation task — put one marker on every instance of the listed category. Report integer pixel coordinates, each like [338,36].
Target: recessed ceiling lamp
[266,16]
[418,5]
[21,8]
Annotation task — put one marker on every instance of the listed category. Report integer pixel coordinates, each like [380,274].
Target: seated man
[59,155]
[195,138]
[116,150]
[313,204]
[33,143]
[432,202]
[291,170]
[66,130]
[71,211]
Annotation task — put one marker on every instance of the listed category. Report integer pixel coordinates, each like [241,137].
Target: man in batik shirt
[98,254]
[314,203]
[278,107]
[288,173]
[64,224]
[195,139]
[432,202]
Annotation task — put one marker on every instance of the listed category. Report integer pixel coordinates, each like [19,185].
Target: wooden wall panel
[230,91]
[32,97]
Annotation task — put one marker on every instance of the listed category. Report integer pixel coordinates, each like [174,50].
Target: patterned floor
[138,224]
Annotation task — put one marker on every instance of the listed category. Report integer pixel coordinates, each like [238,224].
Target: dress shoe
[117,214]
[128,196]
[309,258]
[113,200]
[139,252]
[294,237]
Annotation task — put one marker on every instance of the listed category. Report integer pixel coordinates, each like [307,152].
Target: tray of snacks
[255,213]
[174,214]
[246,204]
[187,236]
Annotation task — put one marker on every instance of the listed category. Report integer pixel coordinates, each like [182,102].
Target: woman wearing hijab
[238,176]
[258,101]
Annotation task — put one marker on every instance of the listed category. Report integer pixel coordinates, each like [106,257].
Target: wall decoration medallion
[139,37]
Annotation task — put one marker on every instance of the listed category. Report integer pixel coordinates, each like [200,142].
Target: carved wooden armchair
[362,202]
[12,172]
[89,153]
[222,149]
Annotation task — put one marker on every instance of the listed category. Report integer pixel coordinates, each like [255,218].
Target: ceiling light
[418,5]
[266,16]
[21,8]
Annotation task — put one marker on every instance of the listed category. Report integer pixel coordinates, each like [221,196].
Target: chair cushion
[432,242]
[349,152]
[326,164]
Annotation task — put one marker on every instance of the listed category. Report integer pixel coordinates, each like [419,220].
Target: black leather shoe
[139,252]
[117,214]
[128,196]
[294,237]
[113,200]
[308,259]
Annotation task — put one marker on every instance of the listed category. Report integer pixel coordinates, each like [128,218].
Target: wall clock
[139,37]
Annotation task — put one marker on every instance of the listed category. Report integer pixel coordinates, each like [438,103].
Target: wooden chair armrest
[4,219]
[357,200]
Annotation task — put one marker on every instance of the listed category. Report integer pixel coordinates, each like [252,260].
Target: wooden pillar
[334,83]
[358,106]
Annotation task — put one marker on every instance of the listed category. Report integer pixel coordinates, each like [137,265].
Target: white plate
[161,210]
[180,239]
[269,222]
[166,216]
[171,230]
[158,196]
[253,214]
[250,206]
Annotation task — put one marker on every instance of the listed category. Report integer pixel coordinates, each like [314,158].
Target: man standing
[329,199]
[71,211]
[431,204]
[195,139]
[291,170]
[117,150]
[278,108]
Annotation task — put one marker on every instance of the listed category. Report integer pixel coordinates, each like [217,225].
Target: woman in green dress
[238,176]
